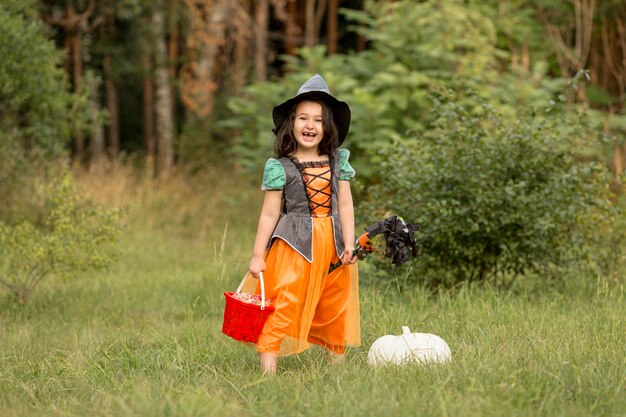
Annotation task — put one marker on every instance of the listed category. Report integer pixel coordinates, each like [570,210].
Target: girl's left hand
[347,257]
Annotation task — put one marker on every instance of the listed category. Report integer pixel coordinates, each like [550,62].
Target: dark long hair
[286,143]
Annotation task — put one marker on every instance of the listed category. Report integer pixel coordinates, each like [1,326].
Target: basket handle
[262,288]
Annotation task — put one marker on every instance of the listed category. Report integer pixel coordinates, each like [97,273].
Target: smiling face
[307,125]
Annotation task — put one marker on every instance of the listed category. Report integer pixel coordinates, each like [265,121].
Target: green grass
[144,339]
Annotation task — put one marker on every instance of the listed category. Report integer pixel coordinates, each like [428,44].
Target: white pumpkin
[408,347]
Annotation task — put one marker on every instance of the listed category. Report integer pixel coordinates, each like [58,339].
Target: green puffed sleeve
[274,177]
[346,172]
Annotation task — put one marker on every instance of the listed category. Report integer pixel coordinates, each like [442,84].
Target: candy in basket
[245,314]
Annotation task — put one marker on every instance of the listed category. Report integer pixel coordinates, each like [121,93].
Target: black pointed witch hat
[315,88]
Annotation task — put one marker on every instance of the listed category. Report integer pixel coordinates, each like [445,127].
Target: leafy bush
[35,100]
[37,112]
[71,242]
[608,258]
[495,198]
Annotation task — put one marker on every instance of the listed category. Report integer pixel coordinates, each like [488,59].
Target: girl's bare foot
[334,358]
[268,362]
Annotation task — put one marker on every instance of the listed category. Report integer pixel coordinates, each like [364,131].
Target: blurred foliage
[37,110]
[38,114]
[12,164]
[71,241]
[414,48]
[496,198]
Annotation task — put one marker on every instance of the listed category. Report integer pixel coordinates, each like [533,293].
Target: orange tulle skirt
[311,305]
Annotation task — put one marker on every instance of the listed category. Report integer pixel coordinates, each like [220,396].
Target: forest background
[132,139]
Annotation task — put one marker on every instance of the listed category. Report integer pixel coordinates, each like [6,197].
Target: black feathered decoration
[399,238]
[398,241]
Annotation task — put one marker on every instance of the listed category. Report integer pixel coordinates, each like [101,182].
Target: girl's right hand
[257,265]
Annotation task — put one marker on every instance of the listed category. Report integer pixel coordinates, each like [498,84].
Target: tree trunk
[320,12]
[205,40]
[361,43]
[163,102]
[77,72]
[113,129]
[331,24]
[292,29]
[618,160]
[611,60]
[573,54]
[309,26]
[147,86]
[96,140]
[77,77]
[173,41]
[261,17]
[242,35]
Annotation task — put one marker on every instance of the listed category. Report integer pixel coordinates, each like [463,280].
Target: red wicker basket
[244,321]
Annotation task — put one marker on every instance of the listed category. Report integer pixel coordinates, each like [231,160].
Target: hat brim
[340,110]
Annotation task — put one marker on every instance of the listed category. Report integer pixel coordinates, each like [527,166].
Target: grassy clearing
[144,338]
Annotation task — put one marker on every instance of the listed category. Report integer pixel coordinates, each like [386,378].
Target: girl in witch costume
[307,224]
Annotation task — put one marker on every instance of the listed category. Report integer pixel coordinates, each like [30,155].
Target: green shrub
[496,197]
[36,107]
[38,114]
[71,241]
[608,259]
